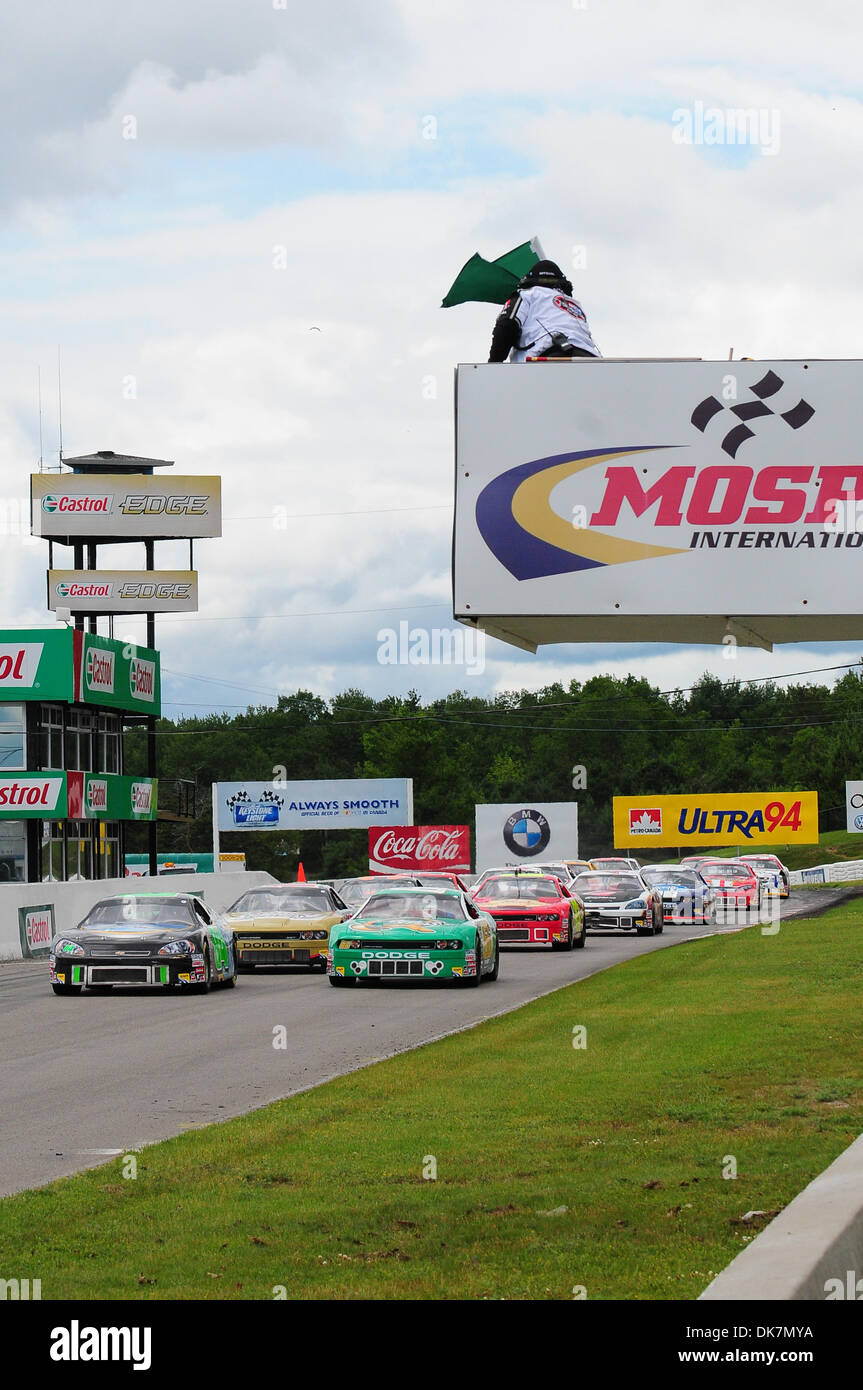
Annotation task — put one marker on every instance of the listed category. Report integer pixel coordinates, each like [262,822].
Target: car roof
[421,891]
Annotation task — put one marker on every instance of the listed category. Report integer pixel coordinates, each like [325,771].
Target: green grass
[556,1167]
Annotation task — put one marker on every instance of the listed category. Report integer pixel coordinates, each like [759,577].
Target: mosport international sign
[340,804]
[660,501]
[123,591]
[122,507]
[747,818]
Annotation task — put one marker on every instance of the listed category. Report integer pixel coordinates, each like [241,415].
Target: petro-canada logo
[645,820]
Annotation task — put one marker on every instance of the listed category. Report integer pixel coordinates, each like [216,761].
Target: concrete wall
[841,871]
[814,1242]
[71,901]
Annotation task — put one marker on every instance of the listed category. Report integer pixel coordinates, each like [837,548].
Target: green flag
[492,282]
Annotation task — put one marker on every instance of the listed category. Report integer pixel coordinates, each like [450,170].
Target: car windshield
[761,861]
[139,912]
[612,864]
[355,893]
[285,902]
[518,887]
[609,885]
[413,907]
[677,878]
[732,871]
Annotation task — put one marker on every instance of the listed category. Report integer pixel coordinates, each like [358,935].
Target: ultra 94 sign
[749,819]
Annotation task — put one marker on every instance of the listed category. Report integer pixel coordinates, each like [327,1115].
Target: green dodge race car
[415,934]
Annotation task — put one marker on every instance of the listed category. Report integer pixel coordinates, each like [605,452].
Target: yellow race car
[284,924]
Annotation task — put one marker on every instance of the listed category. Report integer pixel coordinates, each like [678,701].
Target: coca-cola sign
[429,847]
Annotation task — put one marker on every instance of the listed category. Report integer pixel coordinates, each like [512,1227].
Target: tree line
[587,742]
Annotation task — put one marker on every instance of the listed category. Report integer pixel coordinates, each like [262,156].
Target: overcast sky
[237,220]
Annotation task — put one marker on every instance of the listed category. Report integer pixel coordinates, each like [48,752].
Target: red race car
[739,890]
[532,909]
[439,878]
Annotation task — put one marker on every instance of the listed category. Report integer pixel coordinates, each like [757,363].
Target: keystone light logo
[704,412]
[245,811]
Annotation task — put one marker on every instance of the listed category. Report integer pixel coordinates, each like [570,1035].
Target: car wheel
[337,981]
[658,924]
[493,973]
[580,940]
[67,989]
[204,986]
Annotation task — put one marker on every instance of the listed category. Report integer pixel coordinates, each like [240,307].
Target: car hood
[423,931]
[121,934]
[251,922]
[521,904]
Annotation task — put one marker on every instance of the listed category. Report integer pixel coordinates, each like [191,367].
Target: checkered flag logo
[798,415]
[241,798]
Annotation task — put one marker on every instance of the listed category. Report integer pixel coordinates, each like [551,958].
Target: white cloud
[686,255]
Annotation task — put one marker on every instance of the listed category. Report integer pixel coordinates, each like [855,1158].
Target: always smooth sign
[747,818]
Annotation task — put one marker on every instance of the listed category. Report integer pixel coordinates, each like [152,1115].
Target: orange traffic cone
[301,873]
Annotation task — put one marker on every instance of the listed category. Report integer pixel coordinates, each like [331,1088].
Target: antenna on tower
[59,406]
[39,394]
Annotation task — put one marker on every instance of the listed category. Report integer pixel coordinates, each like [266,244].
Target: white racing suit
[542,314]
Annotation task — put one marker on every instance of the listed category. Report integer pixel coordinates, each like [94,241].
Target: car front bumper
[143,973]
[402,964]
[256,948]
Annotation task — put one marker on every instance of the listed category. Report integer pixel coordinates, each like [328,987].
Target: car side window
[337,902]
[201,911]
[472,909]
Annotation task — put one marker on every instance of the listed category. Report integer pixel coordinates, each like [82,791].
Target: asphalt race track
[88,1077]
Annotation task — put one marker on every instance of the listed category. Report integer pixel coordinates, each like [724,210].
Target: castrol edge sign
[660,500]
[123,591]
[107,506]
[438,848]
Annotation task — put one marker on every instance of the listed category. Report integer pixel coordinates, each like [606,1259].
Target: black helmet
[546,273]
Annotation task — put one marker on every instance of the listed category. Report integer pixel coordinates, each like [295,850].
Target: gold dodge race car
[284,924]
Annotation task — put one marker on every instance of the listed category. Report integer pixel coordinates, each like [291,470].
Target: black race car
[147,939]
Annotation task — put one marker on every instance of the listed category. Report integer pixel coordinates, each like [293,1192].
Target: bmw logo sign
[526,833]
